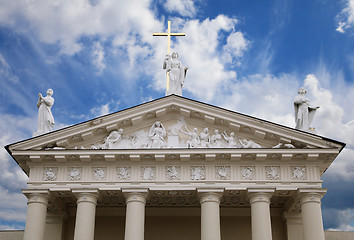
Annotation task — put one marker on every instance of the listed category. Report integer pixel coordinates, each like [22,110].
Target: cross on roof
[168,34]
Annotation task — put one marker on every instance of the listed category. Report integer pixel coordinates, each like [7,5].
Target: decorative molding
[247,172]
[123,173]
[173,172]
[50,173]
[223,172]
[74,173]
[197,172]
[273,173]
[148,173]
[298,173]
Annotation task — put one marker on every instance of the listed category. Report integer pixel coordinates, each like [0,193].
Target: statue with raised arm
[45,116]
[304,113]
[177,73]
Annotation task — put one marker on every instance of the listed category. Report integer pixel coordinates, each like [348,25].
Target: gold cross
[168,34]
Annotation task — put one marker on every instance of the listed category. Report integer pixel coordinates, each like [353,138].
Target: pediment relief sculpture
[177,135]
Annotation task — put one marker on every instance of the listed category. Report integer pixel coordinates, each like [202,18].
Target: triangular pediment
[178,116]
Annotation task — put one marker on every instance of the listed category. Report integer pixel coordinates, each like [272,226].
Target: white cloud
[343,217]
[185,8]
[98,57]
[6,71]
[65,22]
[236,44]
[346,18]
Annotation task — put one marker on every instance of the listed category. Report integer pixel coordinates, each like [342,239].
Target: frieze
[273,173]
[298,173]
[247,172]
[50,173]
[74,173]
[123,173]
[198,173]
[222,172]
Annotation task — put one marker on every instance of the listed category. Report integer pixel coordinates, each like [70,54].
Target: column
[260,214]
[310,202]
[293,225]
[135,214]
[210,215]
[85,214]
[36,214]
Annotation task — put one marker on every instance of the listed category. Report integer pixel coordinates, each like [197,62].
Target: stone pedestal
[311,214]
[210,215]
[260,215]
[36,214]
[135,215]
[85,214]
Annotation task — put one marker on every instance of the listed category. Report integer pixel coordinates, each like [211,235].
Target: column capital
[260,195]
[37,195]
[311,195]
[210,197]
[135,195]
[86,195]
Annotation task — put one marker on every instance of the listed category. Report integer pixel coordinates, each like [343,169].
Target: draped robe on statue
[45,116]
[304,113]
[176,74]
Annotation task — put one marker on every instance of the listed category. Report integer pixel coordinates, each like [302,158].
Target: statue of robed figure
[45,116]
[304,113]
[177,73]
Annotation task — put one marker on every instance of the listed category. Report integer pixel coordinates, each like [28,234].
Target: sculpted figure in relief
[304,113]
[194,140]
[216,139]
[113,139]
[204,138]
[157,135]
[249,144]
[45,116]
[177,73]
[231,140]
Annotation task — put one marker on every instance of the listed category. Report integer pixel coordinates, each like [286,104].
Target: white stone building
[159,178]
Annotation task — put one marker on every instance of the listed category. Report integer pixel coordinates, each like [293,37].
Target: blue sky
[247,56]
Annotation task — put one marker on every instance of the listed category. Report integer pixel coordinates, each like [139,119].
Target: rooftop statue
[45,116]
[176,72]
[304,113]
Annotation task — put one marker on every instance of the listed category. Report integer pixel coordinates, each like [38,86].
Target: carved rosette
[123,173]
[98,173]
[222,172]
[74,174]
[273,173]
[298,173]
[198,173]
[50,173]
[148,173]
[247,172]
[173,172]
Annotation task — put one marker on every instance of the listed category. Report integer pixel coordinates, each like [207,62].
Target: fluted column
[85,214]
[210,215]
[36,214]
[310,202]
[135,214]
[260,214]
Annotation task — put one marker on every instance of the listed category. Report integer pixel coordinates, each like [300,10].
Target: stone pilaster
[310,201]
[36,214]
[135,214]
[260,214]
[210,214]
[85,214]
